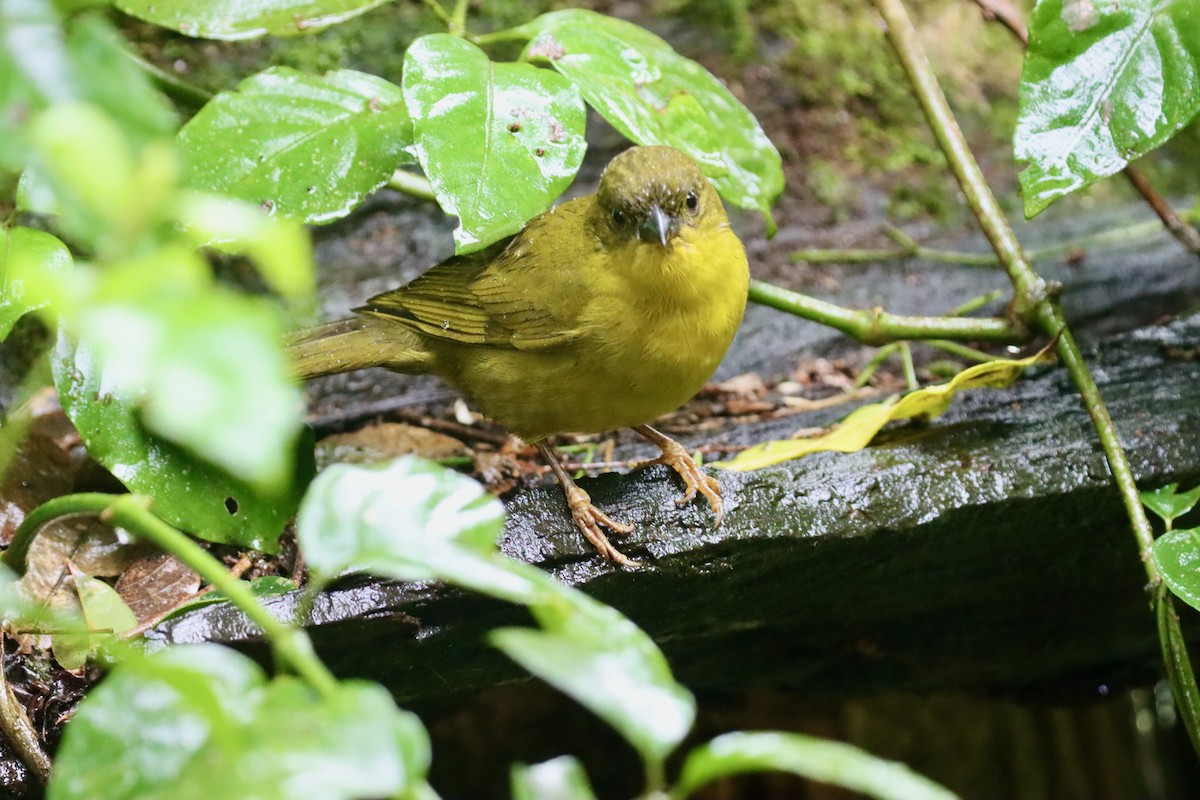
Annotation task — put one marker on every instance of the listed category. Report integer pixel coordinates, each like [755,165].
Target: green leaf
[1177,556]
[105,402]
[561,778]
[1104,82]
[109,78]
[41,65]
[653,95]
[200,721]
[303,146]
[31,263]
[234,19]
[1168,505]
[105,616]
[206,371]
[809,757]
[409,519]
[148,718]
[607,664]
[498,142]
[279,246]
[107,195]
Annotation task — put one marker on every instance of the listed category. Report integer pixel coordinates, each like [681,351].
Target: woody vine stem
[1034,303]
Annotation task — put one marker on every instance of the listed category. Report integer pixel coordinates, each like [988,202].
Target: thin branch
[19,731]
[876,326]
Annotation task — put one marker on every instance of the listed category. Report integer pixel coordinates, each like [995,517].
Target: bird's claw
[588,519]
[695,480]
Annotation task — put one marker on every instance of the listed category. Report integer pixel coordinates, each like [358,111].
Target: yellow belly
[658,323]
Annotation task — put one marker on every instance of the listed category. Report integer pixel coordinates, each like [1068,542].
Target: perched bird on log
[602,313]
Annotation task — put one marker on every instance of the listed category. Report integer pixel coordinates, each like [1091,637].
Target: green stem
[877,327]
[1030,288]
[1179,666]
[910,370]
[962,351]
[172,85]
[1031,295]
[415,185]
[131,512]
[440,13]
[458,18]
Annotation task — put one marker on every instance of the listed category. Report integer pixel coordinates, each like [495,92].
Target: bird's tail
[350,344]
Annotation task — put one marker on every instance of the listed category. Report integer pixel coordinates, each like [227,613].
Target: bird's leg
[677,458]
[587,517]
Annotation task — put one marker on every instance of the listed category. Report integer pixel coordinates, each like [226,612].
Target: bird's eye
[618,216]
[693,202]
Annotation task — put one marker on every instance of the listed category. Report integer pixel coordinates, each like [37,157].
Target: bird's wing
[508,295]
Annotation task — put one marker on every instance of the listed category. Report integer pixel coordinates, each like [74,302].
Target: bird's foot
[695,480]
[588,519]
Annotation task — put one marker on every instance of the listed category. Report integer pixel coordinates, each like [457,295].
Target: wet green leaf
[43,62]
[1104,82]
[1168,503]
[561,778]
[653,95]
[234,19]
[158,364]
[605,663]
[206,371]
[817,759]
[1177,555]
[31,263]
[279,246]
[409,519]
[200,721]
[498,142]
[303,146]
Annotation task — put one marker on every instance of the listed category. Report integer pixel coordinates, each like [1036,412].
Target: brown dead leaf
[385,441]
[45,466]
[155,584]
[93,546]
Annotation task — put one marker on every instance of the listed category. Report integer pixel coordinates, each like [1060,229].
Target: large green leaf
[409,519]
[201,367]
[1104,82]
[818,759]
[653,95]
[42,64]
[236,19]
[606,663]
[201,722]
[305,146]
[31,261]
[1177,556]
[498,142]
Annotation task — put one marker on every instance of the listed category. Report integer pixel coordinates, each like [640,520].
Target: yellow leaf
[860,426]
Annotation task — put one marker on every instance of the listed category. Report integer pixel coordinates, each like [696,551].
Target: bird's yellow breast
[657,322]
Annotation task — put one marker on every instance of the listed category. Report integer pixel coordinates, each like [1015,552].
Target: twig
[877,327]
[18,730]
[1044,310]
[440,12]
[189,94]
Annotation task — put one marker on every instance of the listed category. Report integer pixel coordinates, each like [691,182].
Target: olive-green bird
[605,312]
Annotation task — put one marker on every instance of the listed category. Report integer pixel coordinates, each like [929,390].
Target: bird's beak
[659,225]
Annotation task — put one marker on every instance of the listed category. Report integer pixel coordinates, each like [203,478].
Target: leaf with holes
[1104,83]
[305,146]
[653,95]
[498,142]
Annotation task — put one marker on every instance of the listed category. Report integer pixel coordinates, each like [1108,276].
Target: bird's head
[652,193]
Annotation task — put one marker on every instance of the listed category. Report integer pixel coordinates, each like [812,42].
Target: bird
[604,312]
